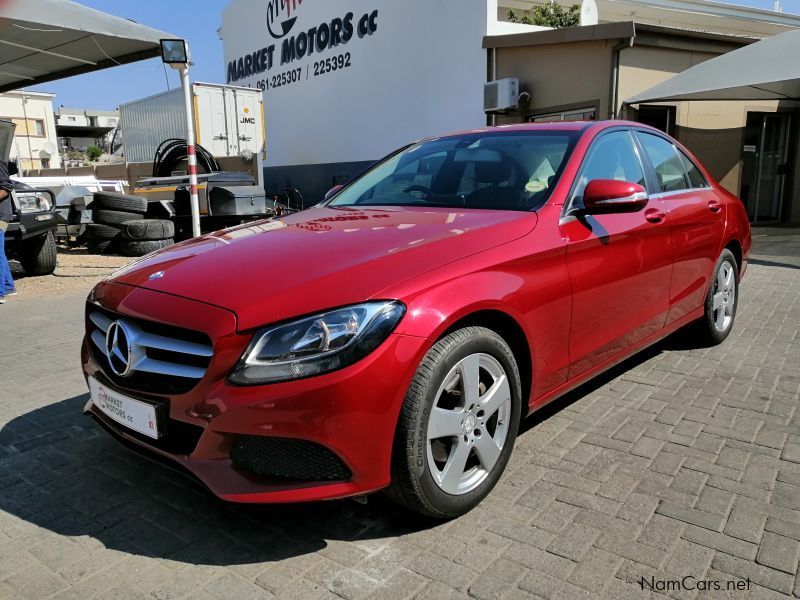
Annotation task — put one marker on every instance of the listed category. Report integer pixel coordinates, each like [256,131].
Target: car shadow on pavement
[60,471]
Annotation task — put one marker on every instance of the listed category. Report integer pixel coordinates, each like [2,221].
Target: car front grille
[290,459]
[152,357]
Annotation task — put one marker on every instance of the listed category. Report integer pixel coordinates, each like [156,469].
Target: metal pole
[27,130]
[190,149]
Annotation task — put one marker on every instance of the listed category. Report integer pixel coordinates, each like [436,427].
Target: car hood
[321,258]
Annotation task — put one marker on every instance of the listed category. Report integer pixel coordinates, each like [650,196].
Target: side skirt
[575,382]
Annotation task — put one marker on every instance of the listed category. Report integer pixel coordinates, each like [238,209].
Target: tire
[119,202]
[418,464]
[136,249]
[39,255]
[100,232]
[100,246]
[717,323]
[115,218]
[147,230]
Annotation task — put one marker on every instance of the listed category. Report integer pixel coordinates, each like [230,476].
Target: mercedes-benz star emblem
[118,348]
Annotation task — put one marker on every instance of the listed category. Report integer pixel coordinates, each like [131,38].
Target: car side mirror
[609,196]
[333,191]
[12,169]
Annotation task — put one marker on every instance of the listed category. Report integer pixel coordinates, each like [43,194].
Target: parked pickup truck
[30,235]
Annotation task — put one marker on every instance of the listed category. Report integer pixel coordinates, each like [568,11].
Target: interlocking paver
[686,461]
[745,524]
[779,552]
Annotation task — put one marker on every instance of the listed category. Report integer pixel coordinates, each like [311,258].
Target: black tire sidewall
[445,504]
[147,230]
[114,218]
[40,255]
[119,202]
[100,232]
[136,249]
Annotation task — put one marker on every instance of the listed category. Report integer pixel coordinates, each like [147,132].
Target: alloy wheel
[724,300]
[468,425]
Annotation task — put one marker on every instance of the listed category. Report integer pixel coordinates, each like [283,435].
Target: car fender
[434,311]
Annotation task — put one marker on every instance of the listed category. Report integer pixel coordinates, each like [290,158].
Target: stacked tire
[144,236]
[109,211]
[119,226]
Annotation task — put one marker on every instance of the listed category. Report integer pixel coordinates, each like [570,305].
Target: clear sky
[197,21]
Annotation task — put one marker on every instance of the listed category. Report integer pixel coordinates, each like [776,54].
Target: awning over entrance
[45,40]
[765,70]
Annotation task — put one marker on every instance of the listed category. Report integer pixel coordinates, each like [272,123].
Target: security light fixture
[174,52]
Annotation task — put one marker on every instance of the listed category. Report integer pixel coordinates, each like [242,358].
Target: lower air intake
[281,458]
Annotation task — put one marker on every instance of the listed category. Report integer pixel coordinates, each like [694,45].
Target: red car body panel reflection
[585,292]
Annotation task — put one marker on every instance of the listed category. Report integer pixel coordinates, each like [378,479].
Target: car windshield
[505,170]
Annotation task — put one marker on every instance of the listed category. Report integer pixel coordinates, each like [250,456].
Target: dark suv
[30,236]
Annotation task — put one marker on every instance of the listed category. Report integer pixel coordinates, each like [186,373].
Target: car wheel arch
[508,328]
[735,247]
[506,324]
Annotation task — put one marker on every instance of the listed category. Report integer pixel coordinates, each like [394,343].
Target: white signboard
[351,80]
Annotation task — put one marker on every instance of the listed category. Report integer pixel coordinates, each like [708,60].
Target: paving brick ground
[684,462]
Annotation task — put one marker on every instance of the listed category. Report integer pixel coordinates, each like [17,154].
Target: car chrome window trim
[681,154]
[663,195]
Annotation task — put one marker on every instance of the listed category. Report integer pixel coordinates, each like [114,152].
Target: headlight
[317,344]
[30,203]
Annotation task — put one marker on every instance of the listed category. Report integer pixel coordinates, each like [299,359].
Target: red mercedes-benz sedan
[393,336]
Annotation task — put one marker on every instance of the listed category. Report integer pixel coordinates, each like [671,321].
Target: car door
[696,218]
[619,264]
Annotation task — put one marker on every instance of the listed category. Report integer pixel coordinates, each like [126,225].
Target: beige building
[35,143]
[588,72]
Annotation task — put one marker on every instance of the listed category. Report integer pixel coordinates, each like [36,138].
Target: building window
[660,117]
[579,114]
[28,128]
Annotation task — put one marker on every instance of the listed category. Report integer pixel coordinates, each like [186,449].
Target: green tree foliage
[549,14]
[93,152]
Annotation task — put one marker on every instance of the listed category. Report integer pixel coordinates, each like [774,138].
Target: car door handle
[714,206]
[655,215]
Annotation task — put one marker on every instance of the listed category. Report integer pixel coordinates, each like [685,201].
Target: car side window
[669,169]
[612,156]
[696,178]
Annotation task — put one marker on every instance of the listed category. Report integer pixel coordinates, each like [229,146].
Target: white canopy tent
[46,40]
[765,70]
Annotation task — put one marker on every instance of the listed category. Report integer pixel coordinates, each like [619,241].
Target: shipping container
[228,121]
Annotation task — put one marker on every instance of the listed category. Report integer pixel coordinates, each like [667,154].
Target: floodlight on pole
[175,53]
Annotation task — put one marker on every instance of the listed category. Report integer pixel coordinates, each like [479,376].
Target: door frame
[786,116]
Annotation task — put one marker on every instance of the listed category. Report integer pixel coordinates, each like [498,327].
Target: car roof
[555,126]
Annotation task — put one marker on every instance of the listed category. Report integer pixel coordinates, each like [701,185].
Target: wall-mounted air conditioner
[502,94]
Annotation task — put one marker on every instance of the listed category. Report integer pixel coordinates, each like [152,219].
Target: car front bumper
[352,413]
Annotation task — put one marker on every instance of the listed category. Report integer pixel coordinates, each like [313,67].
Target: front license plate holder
[135,414]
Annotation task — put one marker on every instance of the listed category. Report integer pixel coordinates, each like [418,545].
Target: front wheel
[458,424]
[39,255]
[721,301]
